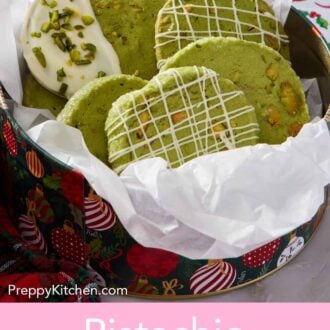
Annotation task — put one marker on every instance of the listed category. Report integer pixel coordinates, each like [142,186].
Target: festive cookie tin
[56,210]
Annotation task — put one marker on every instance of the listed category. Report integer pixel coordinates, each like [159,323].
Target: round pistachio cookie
[36,96]
[87,110]
[179,115]
[267,79]
[129,25]
[181,22]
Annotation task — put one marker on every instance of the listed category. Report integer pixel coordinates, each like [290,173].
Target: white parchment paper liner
[217,206]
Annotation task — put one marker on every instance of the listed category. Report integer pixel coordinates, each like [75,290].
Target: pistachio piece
[101,74]
[289,98]
[213,10]
[116,5]
[63,89]
[52,4]
[272,72]
[144,118]
[68,11]
[88,46]
[79,27]
[60,74]
[55,25]
[45,27]
[273,42]
[67,26]
[80,34]
[87,20]
[37,51]
[74,55]
[82,62]
[55,16]
[36,34]
[59,43]
[103,4]
[188,8]
[273,115]
[217,128]
[179,116]
[294,129]
[236,77]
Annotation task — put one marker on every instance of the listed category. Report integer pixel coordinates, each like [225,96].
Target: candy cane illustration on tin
[98,214]
[29,230]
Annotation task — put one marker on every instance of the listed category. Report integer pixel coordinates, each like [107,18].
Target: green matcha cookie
[181,22]
[87,110]
[267,79]
[129,25]
[36,96]
[179,115]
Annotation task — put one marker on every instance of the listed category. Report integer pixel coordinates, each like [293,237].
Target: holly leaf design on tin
[95,247]
[120,234]
[52,182]
[265,268]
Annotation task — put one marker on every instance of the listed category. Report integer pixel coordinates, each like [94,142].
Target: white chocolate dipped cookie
[64,46]
[179,115]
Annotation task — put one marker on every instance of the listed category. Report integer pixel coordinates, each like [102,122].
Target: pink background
[169,316]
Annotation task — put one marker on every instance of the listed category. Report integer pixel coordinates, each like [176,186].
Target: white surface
[305,279]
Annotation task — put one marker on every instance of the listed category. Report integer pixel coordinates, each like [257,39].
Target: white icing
[176,34]
[106,59]
[227,139]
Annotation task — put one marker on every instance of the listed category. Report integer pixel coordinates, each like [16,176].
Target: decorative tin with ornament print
[58,212]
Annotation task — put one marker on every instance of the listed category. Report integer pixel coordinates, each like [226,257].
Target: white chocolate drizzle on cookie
[215,14]
[207,133]
[64,46]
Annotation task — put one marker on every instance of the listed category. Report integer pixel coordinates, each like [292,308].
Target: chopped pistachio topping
[37,51]
[59,43]
[55,25]
[82,62]
[63,89]
[44,3]
[87,20]
[67,26]
[55,16]
[45,27]
[79,27]
[88,46]
[101,74]
[74,55]
[60,74]
[52,4]
[80,35]
[35,34]
[68,11]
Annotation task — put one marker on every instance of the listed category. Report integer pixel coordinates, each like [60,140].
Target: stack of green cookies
[225,82]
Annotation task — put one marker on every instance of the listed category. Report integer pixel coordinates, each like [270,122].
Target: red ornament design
[72,184]
[261,255]
[153,263]
[10,139]
[34,164]
[69,246]
[217,275]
